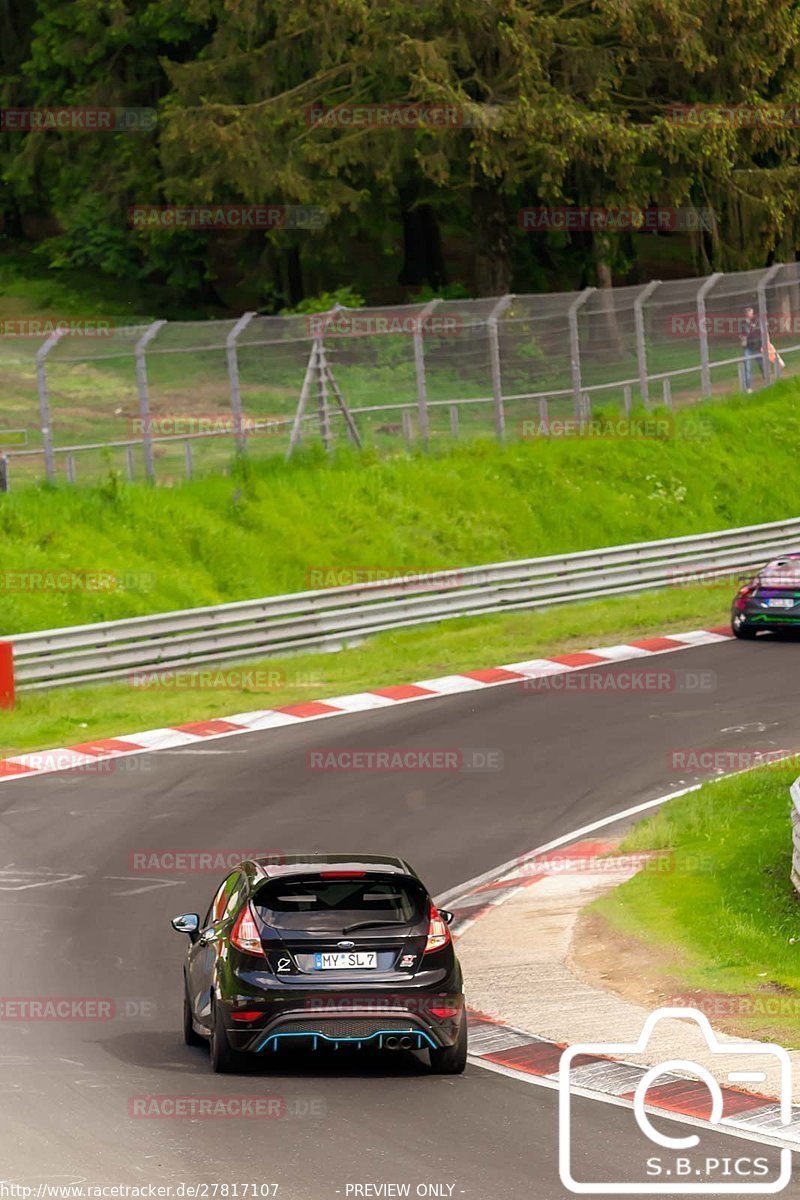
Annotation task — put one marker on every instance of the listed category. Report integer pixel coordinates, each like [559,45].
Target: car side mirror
[446,915]
[187,923]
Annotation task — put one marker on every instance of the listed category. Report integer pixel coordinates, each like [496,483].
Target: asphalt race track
[79,921]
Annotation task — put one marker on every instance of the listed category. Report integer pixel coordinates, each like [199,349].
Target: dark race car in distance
[770,600]
[316,950]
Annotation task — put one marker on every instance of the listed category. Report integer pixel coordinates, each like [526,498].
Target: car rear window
[323,904]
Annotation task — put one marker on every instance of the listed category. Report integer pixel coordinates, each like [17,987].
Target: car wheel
[451,1060]
[189,1036]
[224,1061]
[741,629]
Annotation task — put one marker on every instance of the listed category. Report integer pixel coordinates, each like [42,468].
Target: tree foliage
[556,104]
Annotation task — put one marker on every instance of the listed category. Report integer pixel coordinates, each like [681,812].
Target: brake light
[742,595]
[438,933]
[342,874]
[249,1015]
[245,935]
[444,1010]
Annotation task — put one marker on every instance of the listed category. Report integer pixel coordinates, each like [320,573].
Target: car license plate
[780,602]
[347,960]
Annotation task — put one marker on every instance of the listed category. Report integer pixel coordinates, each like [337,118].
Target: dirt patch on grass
[603,957]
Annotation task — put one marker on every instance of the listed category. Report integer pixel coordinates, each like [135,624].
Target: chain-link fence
[164,400]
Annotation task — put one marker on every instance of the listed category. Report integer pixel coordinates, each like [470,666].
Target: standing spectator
[750,341]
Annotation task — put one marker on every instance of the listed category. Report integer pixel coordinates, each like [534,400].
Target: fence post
[641,341]
[702,332]
[419,369]
[770,374]
[233,379]
[322,399]
[575,348]
[6,675]
[4,480]
[44,403]
[144,399]
[494,362]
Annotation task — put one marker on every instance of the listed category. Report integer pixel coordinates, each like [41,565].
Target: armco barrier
[333,617]
[795,791]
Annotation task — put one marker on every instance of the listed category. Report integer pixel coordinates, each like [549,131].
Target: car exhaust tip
[406,1043]
[392,1043]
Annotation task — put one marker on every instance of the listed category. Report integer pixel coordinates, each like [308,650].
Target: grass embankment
[265,531]
[280,527]
[720,922]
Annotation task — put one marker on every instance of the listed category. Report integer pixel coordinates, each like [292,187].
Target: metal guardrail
[795,794]
[330,618]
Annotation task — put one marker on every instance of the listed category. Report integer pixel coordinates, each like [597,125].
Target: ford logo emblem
[346,945]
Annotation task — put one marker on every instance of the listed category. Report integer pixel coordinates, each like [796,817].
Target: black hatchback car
[316,950]
[770,600]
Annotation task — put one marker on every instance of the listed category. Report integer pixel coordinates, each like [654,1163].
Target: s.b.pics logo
[671,1164]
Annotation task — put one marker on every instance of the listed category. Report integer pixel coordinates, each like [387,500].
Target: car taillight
[744,592]
[245,935]
[444,1010]
[248,1015]
[342,874]
[438,933]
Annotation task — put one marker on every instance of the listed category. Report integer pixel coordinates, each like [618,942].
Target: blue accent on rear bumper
[423,1040]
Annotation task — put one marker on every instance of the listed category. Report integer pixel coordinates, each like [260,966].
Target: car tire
[742,630]
[224,1060]
[189,1035]
[451,1060]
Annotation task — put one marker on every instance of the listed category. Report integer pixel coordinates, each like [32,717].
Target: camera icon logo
[677,1170]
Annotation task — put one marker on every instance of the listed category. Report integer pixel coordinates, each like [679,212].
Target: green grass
[66,716]
[722,919]
[265,529]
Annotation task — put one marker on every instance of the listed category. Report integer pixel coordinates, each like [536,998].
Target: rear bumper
[757,617]
[395,1027]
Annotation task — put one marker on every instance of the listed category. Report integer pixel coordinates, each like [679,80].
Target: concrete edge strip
[529,1057]
[84,754]
[533,1059]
